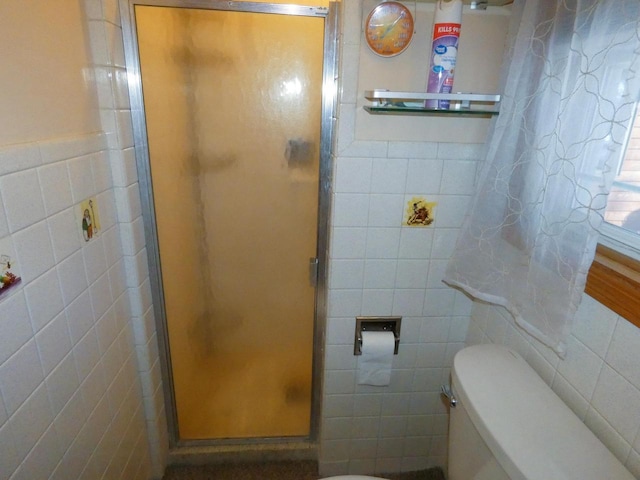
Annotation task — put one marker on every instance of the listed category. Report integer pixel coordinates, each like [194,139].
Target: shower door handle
[313,272]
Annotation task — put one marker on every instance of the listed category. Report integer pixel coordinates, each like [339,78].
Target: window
[614,278]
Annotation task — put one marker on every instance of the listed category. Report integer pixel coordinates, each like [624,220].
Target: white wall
[74,331]
[379,267]
[599,379]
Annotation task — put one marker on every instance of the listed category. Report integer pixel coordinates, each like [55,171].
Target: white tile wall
[63,352]
[599,377]
[379,267]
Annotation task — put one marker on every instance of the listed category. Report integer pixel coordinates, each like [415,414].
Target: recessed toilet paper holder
[376,324]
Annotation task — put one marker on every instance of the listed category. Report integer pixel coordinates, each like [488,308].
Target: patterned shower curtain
[570,86]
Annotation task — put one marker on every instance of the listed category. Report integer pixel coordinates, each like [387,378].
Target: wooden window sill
[614,281]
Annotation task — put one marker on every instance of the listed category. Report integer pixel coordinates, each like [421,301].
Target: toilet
[507,424]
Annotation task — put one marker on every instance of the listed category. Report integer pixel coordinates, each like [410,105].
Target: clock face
[389,29]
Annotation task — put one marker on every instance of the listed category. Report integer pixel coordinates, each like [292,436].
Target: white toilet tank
[509,425]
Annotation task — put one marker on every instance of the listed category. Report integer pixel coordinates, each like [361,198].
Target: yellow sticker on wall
[419,212]
[90,220]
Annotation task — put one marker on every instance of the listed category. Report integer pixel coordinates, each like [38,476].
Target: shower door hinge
[313,271]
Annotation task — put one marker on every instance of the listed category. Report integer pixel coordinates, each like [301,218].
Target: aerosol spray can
[444,50]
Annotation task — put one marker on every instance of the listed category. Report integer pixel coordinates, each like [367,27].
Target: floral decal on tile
[419,212]
[8,275]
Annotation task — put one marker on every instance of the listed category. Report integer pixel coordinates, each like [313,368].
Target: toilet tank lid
[530,431]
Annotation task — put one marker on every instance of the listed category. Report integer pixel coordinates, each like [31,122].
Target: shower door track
[328,116]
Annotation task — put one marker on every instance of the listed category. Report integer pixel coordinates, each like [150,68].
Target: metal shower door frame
[327,140]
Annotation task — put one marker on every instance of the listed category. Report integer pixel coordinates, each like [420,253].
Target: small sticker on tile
[89,218]
[9,277]
[419,212]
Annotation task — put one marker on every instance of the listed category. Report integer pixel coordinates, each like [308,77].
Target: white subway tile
[415,243]
[15,158]
[389,176]
[30,421]
[65,234]
[70,420]
[86,354]
[106,330]
[408,302]
[22,198]
[98,43]
[348,243]
[62,383]
[112,244]
[458,177]
[120,87]
[438,302]
[53,342]
[339,357]
[431,355]
[376,302]
[593,325]
[610,389]
[385,210]
[43,458]
[393,426]
[101,171]
[117,279]
[115,45]
[434,329]
[460,151]
[337,406]
[570,396]
[107,207]
[622,354]
[4,225]
[607,435]
[423,177]
[71,147]
[380,274]
[366,149]
[81,177]
[339,381]
[124,128]
[20,375]
[80,316]
[350,210]
[94,259]
[382,242]
[412,273]
[346,274]
[72,276]
[14,318]
[581,368]
[111,11]
[412,149]
[101,298]
[123,167]
[56,187]
[444,242]
[353,175]
[94,387]
[33,248]
[345,303]
[451,210]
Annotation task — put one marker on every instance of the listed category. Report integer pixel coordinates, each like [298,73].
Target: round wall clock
[389,29]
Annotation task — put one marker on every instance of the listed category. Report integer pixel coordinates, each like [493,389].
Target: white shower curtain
[570,85]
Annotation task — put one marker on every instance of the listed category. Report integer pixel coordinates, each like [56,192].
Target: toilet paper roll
[374,365]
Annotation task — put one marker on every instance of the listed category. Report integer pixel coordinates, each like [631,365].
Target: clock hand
[390,27]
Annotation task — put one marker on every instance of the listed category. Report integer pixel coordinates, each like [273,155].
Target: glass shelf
[387,102]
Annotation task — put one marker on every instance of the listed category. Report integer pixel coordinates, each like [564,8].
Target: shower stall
[233,110]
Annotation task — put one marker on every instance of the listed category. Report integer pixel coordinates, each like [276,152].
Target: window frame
[614,281]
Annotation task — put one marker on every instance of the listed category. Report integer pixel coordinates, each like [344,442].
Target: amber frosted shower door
[233,111]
